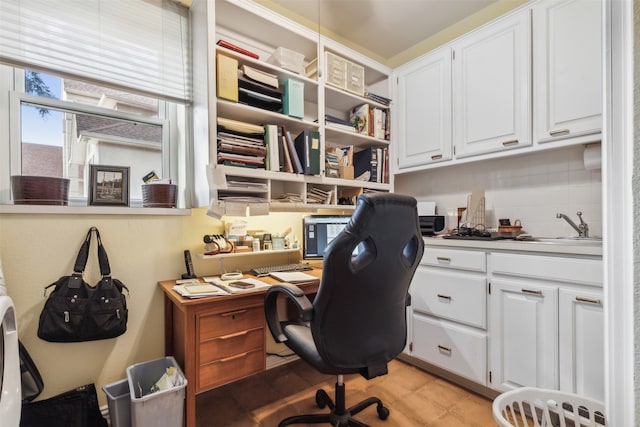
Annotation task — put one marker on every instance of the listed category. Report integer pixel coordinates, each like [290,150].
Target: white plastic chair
[537,407]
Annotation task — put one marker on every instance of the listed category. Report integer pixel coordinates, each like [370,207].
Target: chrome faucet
[582,229]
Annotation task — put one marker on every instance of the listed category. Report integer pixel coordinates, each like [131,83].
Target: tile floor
[415,399]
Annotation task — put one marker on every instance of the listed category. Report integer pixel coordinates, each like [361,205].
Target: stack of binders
[259,89]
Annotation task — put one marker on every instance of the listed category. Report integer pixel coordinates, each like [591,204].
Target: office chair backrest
[360,308]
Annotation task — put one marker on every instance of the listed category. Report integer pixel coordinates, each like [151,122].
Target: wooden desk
[217,340]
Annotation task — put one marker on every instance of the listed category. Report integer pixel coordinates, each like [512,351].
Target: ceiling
[383,27]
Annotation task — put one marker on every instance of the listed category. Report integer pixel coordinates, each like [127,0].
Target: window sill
[90,210]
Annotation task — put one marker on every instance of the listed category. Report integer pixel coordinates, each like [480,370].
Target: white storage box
[344,74]
[160,408]
[288,59]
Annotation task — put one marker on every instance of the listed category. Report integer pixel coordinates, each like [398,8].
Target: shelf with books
[255,115]
[340,99]
[339,137]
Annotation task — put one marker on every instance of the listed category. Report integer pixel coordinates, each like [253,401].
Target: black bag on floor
[30,378]
[74,408]
[76,311]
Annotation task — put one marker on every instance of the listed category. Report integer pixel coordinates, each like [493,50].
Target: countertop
[518,246]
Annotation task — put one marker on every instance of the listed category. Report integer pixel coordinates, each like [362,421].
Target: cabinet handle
[436,157]
[589,300]
[559,132]
[531,292]
[233,313]
[447,297]
[237,356]
[509,143]
[237,334]
[443,348]
[443,259]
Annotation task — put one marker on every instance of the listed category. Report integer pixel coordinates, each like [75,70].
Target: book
[231,46]
[256,86]
[258,100]
[291,148]
[307,145]
[260,76]
[238,126]
[226,77]
[252,285]
[293,99]
[287,166]
[293,277]
[359,117]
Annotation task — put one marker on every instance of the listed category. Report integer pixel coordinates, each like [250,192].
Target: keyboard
[263,271]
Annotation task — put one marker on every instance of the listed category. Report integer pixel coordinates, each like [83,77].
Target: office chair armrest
[294,294]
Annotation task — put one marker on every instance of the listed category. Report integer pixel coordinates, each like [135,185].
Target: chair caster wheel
[322,398]
[383,413]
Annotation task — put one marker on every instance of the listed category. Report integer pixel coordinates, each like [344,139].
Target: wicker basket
[39,190]
[159,195]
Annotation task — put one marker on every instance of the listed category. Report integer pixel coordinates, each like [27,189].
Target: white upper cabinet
[492,87]
[567,46]
[424,108]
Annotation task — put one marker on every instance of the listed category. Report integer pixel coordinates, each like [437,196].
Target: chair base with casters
[339,415]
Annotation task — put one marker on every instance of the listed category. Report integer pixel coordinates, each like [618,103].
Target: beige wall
[37,249]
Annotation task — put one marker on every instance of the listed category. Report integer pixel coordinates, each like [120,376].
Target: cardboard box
[346,172]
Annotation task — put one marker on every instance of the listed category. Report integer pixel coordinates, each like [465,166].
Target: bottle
[256,245]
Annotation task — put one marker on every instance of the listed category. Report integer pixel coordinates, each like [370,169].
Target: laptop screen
[319,231]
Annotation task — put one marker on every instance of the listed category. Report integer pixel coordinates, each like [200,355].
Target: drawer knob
[233,313]
[237,334]
[237,356]
[447,297]
[531,292]
[443,259]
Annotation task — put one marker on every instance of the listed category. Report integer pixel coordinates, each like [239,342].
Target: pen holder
[159,195]
[278,243]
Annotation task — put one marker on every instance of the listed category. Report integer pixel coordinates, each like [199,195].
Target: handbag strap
[83,255]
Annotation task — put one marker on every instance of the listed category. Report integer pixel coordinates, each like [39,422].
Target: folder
[226,77]
[308,148]
[293,100]
[291,148]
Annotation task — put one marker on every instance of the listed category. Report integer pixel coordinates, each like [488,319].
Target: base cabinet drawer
[231,368]
[455,348]
[461,297]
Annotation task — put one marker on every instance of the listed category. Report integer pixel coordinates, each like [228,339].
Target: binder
[226,77]
[293,100]
[271,140]
[308,148]
[366,160]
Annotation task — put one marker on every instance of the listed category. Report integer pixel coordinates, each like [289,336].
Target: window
[59,126]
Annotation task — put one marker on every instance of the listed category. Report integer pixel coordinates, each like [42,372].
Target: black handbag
[76,311]
[74,408]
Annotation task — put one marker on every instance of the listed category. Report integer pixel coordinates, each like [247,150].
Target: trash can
[119,403]
[149,406]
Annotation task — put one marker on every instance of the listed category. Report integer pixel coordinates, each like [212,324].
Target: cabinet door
[581,336]
[492,87]
[424,108]
[568,70]
[523,322]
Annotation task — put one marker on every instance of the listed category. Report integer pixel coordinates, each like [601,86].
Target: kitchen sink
[592,241]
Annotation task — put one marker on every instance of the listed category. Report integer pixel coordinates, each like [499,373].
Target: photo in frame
[108,185]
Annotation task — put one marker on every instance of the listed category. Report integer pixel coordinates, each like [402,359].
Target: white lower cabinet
[582,342]
[448,312]
[524,335]
[510,319]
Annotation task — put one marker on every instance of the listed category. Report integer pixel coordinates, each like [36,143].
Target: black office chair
[357,322]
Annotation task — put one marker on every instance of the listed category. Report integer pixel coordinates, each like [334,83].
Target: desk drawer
[455,258]
[215,325]
[231,344]
[230,369]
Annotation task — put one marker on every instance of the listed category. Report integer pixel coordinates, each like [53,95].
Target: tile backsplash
[532,188]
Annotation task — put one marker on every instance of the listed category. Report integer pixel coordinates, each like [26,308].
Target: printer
[430,223]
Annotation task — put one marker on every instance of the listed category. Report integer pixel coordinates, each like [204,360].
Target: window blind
[141,45]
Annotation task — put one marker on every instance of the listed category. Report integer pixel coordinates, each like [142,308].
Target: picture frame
[108,185]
